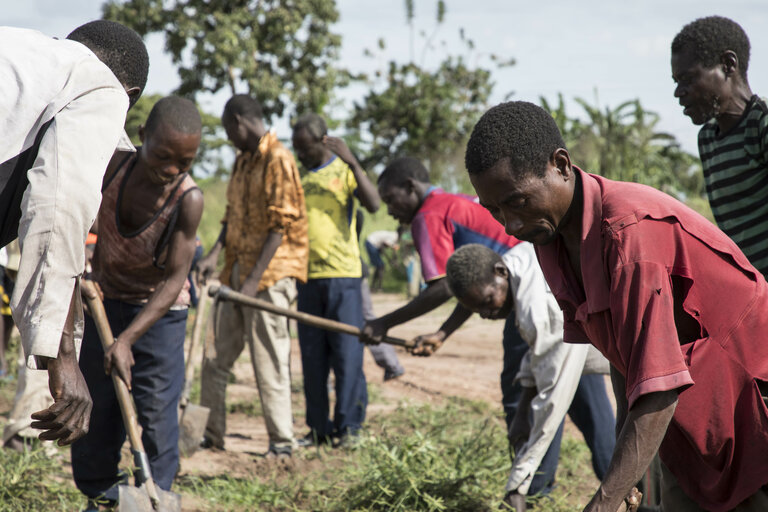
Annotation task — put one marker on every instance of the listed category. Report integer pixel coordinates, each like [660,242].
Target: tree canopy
[283,52]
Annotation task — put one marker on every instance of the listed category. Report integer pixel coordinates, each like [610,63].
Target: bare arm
[268,250]
[366,191]
[207,264]
[641,435]
[428,344]
[180,253]
[68,418]
[436,293]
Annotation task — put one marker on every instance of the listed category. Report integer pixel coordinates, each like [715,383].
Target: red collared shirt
[635,241]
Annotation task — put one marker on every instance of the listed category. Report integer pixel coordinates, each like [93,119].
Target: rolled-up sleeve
[284,198]
[58,208]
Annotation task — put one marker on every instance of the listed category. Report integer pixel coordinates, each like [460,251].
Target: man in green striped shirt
[710,57]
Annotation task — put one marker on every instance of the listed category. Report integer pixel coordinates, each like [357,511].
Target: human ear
[561,160]
[730,62]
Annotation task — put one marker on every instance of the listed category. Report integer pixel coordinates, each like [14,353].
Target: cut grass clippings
[451,457]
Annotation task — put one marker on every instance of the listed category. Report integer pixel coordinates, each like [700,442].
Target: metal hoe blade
[136,499]
[194,418]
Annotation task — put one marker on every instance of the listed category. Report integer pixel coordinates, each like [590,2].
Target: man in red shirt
[667,297]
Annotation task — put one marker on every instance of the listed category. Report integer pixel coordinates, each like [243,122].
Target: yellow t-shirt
[333,245]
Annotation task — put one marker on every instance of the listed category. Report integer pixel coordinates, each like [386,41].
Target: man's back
[445,222]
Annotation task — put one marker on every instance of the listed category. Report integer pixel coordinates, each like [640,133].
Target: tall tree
[424,112]
[281,51]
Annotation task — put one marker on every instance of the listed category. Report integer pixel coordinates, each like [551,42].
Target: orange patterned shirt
[264,194]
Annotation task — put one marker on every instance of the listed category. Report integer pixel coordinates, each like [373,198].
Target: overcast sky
[617,49]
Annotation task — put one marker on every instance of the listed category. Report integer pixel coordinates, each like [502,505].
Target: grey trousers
[384,354]
[269,342]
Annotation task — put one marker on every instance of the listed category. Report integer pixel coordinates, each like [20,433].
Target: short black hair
[313,123]
[708,38]
[519,131]
[179,114]
[400,169]
[244,105]
[119,47]
[471,265]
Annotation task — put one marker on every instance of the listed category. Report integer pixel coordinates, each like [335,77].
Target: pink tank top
[128,266]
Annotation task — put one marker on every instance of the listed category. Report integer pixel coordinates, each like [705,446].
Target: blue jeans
[591,412]
[336,299]
[157,380]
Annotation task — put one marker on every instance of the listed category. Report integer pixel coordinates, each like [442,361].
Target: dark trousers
[336,299]
[591,411]
[157,380]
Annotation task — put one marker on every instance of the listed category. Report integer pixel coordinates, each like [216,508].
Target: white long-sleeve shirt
[551,366]
[48,79]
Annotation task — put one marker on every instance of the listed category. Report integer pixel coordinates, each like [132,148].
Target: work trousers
[591,411]
[157,379]
[269,343]
[336,299]
[383,354]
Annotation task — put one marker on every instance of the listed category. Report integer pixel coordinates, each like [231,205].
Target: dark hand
[339,147]
[513,501]
[120,358]
[519,432]
[205,268]
[374,332]
[68,418]
[427,344]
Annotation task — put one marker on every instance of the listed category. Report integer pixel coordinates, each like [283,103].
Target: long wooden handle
[197,334]
[130,419]
[227,293]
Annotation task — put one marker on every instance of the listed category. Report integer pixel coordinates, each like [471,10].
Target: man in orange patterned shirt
[265,234]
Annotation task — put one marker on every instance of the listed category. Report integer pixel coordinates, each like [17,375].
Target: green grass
[33,481]
[451,457]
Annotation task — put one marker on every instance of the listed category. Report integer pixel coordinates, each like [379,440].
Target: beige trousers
[269,342]
[673,499]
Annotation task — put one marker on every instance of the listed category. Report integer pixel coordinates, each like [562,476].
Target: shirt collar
[124,143]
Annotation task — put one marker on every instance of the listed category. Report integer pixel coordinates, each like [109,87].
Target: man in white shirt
[493,285]
[62,113]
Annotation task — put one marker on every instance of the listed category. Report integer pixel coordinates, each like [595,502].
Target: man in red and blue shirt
[667,297]
[440,224]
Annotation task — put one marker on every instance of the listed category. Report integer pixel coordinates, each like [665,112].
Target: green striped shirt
[736,174]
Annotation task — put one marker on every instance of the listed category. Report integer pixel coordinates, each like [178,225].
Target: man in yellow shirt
[265,235]
[333,179]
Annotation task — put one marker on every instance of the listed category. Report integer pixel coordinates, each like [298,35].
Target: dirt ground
[468,366]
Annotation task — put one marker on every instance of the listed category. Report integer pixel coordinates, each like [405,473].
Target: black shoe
[347,441]
[279,452]
[207,444]
[390,375]
[312,439]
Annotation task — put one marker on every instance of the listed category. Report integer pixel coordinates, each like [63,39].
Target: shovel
[193,417]
[227,293]
[147,497]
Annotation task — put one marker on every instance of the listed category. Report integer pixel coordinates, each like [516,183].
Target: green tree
[281,51]
[421,112]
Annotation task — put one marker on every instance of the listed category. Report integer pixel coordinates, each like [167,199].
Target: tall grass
[34,481]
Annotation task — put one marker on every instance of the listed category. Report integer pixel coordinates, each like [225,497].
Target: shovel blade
[136,499]
[191,428]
